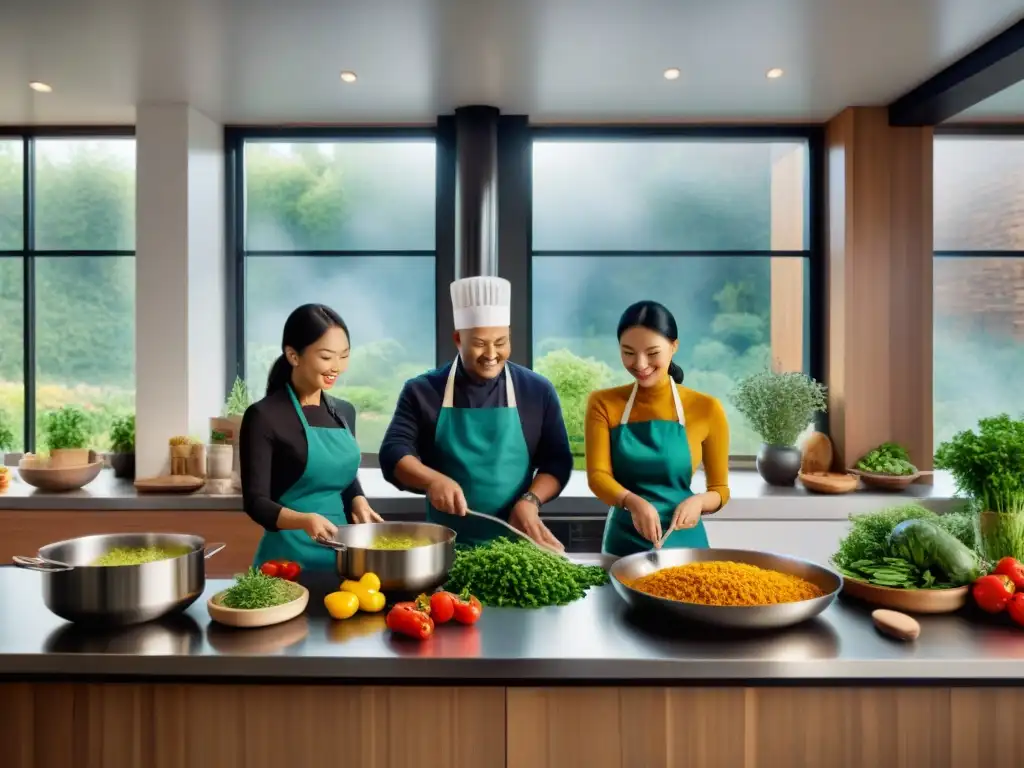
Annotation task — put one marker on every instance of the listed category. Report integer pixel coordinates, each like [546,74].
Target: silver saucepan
[120,595]
[417,569]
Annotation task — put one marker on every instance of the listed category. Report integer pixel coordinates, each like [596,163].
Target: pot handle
[331,544]
[212,549]
[41,565]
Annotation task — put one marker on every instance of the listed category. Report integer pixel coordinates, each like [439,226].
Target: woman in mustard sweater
[644,441]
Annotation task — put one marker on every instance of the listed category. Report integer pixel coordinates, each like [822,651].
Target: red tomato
[467,608]
[1016,608]
[270,569]
[992,592]
[442,607]
[1010,567]
[288,570]
[407,619]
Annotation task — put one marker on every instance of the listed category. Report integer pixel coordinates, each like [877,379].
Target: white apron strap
[449,388]
[676,400]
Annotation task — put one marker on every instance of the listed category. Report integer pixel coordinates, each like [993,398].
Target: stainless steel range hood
[476,191]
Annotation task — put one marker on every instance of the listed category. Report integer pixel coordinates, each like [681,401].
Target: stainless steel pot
[418,569]
[124,594]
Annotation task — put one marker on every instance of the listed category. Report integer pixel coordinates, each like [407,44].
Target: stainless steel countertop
[751,498]
[594,640]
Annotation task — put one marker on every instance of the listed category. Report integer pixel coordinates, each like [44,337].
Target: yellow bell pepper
[371,600]
[341,605]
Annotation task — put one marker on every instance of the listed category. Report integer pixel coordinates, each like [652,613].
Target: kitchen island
[586,684]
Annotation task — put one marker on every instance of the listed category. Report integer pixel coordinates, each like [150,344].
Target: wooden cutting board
[169,484]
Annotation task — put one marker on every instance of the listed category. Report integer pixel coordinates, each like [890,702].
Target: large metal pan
[737,617]
[419,569]
[120,595]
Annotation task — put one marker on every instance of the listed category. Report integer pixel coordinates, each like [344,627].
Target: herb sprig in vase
[779,406]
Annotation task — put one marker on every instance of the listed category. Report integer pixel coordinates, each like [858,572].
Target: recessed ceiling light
[35,85]
[774,73]
[672,73]
[348,77]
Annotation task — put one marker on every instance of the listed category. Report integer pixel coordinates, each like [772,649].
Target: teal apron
[652,460]
[332,464]
[484,451]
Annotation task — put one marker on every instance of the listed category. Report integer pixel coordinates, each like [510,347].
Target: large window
[718,231]
[67,283]
[347,223]
[978,278]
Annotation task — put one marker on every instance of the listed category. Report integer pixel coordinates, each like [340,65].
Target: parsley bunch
[519,575]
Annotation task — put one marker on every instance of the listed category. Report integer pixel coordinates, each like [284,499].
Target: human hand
[446,495]
[645,518]
[362,512]
[318,527]
[525,517]
[687,513]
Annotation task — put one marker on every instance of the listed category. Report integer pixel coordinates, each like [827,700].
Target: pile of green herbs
[887,459]
[520,575]
[254,590]
[779,405]
[864,554]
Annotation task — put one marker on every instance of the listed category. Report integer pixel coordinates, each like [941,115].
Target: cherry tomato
[1016,608]
[992,592]
[1010,567]
[442,607]
[270,569]
[288,570]
[409,620]
[467,608]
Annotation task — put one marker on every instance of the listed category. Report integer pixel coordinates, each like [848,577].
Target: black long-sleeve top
[411,431]
[272,450]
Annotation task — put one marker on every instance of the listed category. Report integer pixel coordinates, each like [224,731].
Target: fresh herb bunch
[887,459]
[253,590]
[6,431]
[238,400]
[988,465]
[519,575]
[122,434]
[779,405]
[893,572]
[66,428]
[869,532]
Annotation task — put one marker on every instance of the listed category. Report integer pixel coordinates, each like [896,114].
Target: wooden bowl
[887,482]
[908,600]
[169,484]
[60,479]
[829,482]
[261,617]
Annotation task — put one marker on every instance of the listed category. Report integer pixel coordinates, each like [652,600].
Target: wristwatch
[531,497]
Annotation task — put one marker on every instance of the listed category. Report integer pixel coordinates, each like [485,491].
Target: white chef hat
[481,302]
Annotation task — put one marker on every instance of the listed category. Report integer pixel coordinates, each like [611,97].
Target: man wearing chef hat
[481,433]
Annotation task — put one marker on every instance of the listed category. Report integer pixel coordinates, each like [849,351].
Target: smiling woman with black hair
[644,440]
[297,447]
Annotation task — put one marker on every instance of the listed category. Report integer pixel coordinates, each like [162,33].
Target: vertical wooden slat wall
[788,273]
[879,267]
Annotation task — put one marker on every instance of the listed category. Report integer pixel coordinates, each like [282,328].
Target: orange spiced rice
[725,583]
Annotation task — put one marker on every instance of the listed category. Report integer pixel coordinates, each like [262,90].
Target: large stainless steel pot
[124,594]
[419,569]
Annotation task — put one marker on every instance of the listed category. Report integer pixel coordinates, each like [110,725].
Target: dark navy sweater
[411,432]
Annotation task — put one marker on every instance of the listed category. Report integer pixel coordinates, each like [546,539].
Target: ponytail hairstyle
[304,326]
[654,317]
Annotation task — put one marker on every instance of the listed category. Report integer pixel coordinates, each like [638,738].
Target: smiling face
[319,365]
[484,350]
[646,354]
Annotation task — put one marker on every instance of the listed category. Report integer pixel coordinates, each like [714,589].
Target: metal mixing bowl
[418,569]
[739,617]
[120,595]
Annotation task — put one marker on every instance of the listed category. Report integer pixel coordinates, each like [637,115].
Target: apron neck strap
[449,387]
[676,401]
[298,405]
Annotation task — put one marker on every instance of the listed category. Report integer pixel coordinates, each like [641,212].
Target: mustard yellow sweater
[707,431]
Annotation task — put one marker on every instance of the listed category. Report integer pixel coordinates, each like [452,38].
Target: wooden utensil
[829,482]
[896,624]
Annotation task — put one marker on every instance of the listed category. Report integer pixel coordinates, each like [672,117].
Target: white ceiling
[274,61]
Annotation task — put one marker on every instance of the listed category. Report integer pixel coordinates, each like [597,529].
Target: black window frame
[235,139]
[29,135]
[816,331]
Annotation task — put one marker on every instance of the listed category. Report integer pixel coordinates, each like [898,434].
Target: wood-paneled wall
[130,725]
[879,266]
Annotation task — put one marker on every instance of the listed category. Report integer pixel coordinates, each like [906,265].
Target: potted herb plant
[66,436]
[229,422]
[7,440]
[779,406]
[988,467]
[122,446]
